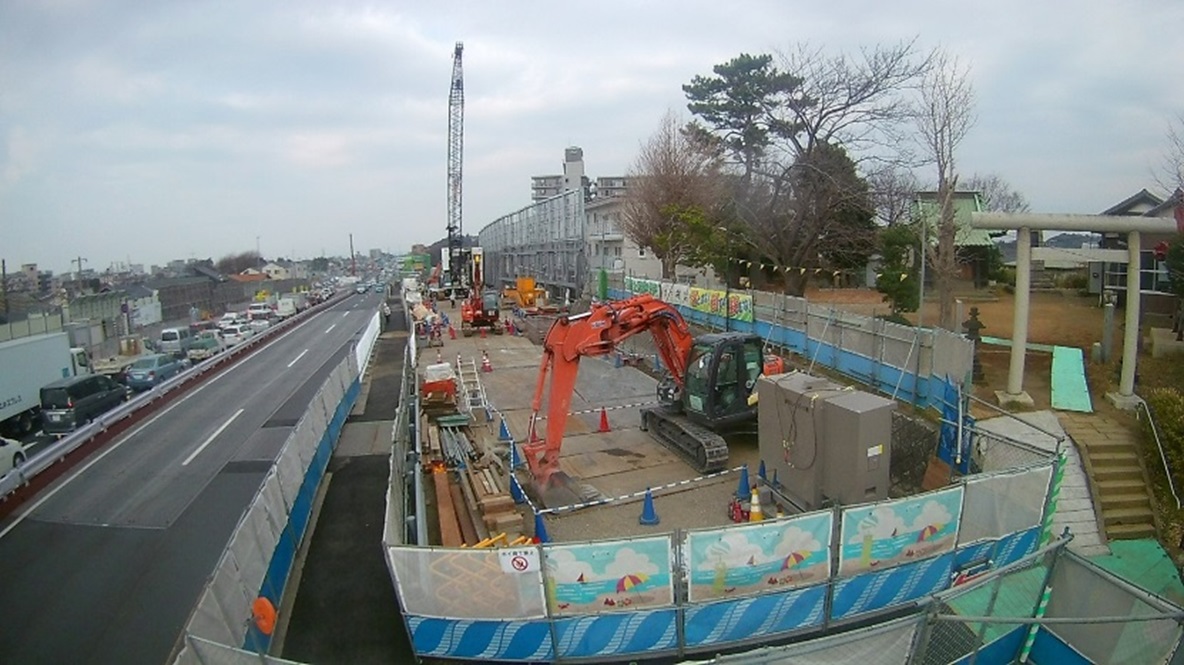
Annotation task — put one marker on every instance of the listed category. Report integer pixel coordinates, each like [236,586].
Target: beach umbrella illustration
[794,558]
[928,532]
[631,581]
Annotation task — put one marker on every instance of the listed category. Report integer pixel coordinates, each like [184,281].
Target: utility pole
[353,260]
[78,261]
[4,286]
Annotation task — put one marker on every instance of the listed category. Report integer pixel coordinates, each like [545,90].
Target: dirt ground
[1054,319]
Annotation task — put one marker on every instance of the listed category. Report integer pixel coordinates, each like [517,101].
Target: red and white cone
[486,366]
[603,420]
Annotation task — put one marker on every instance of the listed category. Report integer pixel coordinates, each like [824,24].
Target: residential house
[974,246]
[1157,298]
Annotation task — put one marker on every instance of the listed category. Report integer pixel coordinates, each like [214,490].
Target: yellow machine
[526,295]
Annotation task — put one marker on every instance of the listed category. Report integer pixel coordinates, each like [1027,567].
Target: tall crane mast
[457,267]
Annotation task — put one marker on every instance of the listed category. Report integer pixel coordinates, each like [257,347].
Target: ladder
[470,386]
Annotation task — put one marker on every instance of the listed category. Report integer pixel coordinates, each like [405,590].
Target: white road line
[130,435]
[297,358]
[345,314]
[330,328]
[211,438]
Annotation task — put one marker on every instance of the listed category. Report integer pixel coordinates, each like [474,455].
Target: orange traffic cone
[451,332]
[483,333]
[486,366]
[604,420]
[755,514]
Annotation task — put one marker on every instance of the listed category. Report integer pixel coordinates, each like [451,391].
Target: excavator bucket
[559,489]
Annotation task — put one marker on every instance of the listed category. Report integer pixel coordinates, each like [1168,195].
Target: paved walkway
[1075,508]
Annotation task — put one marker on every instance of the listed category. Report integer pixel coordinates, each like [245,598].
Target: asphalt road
[106,565]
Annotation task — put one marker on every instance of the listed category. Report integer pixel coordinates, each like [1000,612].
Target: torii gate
[1024,224]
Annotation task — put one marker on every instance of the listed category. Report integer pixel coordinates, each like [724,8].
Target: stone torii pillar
[1023,224]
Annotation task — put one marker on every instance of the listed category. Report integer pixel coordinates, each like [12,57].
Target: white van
[175,341]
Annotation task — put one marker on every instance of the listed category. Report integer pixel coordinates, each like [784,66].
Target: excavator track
[704,449]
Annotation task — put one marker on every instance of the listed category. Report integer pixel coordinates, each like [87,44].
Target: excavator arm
[595,333]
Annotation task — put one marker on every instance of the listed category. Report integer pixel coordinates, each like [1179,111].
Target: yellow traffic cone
[754,511]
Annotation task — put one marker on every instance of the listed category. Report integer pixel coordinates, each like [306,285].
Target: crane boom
[456,148]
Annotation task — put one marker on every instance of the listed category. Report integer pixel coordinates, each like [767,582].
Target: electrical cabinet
[825,442]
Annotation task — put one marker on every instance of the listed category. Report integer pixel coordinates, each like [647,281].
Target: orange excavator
[710,383]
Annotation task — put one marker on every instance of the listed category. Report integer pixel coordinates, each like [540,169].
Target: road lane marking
[211,438]
[124,438]
[330,328]
[297,358]
[346,313]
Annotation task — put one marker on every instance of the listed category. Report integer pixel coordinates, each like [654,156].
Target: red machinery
[711,380]
[481,309]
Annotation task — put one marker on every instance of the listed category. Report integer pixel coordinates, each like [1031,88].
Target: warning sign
[519,560]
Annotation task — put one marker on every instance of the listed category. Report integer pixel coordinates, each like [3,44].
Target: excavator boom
[596,333]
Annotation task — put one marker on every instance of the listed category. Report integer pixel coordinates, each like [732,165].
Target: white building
[546,186]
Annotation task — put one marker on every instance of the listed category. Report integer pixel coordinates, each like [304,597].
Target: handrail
[1159,444]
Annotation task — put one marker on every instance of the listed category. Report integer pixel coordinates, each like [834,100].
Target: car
[360,288]
[70,402]
[236,334]
[153,370]
[259,325]
[229,319]
[12,455]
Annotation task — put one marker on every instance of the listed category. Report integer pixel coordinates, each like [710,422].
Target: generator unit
[829,443]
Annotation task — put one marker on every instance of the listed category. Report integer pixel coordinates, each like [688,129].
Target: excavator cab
[722,370]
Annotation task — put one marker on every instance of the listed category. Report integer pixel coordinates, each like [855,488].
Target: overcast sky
[147,131]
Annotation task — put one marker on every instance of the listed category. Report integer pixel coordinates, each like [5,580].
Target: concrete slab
[365,438]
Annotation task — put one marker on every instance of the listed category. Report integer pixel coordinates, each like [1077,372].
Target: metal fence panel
[885,643]
[1078,592]
[1000,504]
[464,584]
[249,555]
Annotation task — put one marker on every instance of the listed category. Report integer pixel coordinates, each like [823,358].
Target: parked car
[12,455]
[236,334]
[68,403]
[150,371]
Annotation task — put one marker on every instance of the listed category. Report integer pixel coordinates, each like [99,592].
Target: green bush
[1167,406]
[895,318]
[1074,280]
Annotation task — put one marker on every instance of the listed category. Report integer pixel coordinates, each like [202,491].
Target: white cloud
[306,121]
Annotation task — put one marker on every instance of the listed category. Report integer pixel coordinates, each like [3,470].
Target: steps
[1112,460]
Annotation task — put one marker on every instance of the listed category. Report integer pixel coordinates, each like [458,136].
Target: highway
[106,564]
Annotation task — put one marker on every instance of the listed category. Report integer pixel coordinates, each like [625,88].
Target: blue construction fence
[719,588]
[922,366]
[257,562]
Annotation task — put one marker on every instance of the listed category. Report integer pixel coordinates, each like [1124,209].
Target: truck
[131,349]
[205,344]
[27,364]
[285,307]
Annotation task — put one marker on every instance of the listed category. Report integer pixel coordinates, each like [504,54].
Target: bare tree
[1171,171]
[995,193]
[233,264]
[674,179]
[859,102]
[893,190]
[944,116]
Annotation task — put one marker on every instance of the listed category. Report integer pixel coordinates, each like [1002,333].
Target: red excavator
[481,309]
[710,384]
